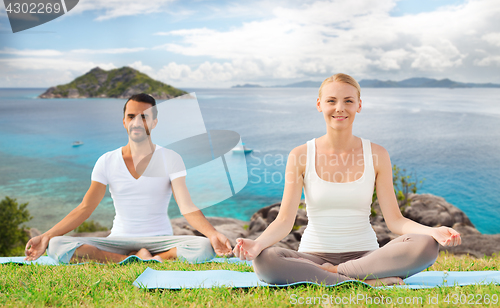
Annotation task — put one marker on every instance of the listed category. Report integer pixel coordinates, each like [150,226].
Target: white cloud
[492,38]
[487,61]
[389,60]
[437,57]
[31,52]
[146,69]
[44,72]
[117,8]
[53,64]
[355,37]
[108,51]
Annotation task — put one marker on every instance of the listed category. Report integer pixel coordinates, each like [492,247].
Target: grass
[94,285]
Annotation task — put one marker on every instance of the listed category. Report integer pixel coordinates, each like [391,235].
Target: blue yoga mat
[44,260]
[153,279]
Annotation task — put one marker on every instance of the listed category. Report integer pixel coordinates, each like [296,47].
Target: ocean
[449,138]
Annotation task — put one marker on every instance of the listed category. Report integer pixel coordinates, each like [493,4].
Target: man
[140,196]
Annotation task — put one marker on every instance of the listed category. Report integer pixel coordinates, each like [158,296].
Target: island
[418,82]
[117,83]
[247,85]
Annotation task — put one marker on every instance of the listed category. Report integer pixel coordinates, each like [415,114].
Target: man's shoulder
[113,154]
[166,152]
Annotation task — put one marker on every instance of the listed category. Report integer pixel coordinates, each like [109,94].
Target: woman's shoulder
[298,155]
[378,149]
[379,154]
[300,150]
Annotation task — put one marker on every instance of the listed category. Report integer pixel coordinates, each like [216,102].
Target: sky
[218,44]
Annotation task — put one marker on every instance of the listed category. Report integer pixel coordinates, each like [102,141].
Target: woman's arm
[248,249]
[395,221]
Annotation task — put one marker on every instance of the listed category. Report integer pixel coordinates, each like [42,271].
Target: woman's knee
[426,246]
[264,261]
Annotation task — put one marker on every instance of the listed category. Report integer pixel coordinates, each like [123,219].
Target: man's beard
[141,137]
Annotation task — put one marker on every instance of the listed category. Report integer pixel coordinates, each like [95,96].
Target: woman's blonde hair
[341,78]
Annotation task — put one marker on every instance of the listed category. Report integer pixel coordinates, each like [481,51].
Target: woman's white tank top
[338,213]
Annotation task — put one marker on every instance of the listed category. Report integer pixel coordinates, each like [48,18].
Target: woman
[338,172]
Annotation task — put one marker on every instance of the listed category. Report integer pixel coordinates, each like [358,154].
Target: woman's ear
[318,106]
[359,107]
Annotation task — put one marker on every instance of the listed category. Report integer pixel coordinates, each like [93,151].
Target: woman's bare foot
[387,281]
[325,266]
[329,267]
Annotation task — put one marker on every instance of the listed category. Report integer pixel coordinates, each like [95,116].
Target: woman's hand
[221,244]
[446,236]
[246,249]
[36,247]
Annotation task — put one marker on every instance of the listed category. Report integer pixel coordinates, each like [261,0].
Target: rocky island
[426,209]
[118,83]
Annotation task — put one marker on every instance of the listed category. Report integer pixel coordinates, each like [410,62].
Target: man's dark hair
[143,98]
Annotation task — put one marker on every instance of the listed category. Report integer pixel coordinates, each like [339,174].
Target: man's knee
[61,248]
[196,249]
[206,251]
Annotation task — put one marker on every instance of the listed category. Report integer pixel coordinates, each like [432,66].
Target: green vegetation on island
[118,83]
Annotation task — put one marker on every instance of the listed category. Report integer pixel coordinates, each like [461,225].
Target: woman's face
[339,104]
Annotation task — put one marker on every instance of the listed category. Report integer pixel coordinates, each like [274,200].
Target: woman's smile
[339,118]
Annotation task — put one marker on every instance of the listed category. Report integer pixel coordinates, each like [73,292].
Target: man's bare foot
[387,281]
[157,258]
[144,254]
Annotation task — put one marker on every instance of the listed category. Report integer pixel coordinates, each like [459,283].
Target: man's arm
[196,218]
[37,245]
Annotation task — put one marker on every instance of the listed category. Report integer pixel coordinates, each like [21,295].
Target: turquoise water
[450,137]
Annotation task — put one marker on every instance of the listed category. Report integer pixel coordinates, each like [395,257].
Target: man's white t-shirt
[140,204]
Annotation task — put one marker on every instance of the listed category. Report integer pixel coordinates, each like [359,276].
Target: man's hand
[246,249]
[36,247]
[221,244]
[446,236]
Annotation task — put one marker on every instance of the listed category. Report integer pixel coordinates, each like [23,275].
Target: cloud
[53,64]
[44,72]
[31,52]
[148,70]
[492,38]
[437,56]
[108,51]
[487,61]
[117,8]
[357,37]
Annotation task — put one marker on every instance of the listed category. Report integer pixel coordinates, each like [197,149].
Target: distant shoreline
[418,82]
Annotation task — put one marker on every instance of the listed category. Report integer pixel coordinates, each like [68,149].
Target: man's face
[138,120]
